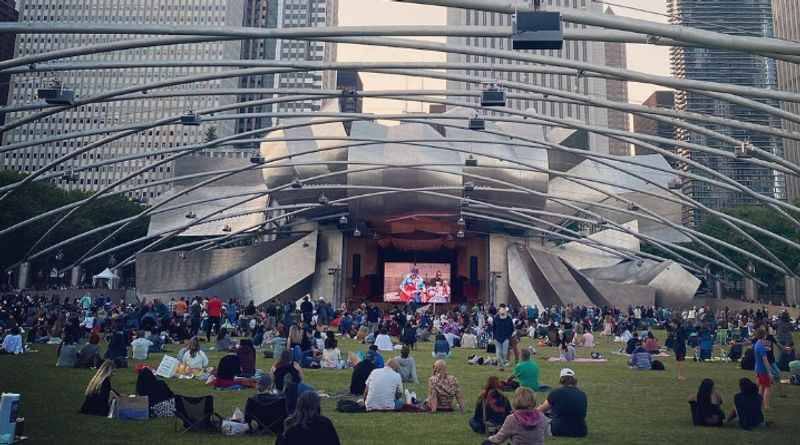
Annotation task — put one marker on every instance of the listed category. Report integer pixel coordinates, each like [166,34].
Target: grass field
[625,406]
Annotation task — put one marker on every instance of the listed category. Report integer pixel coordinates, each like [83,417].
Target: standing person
[180,309]
[679,346]
[526,425]
[196,315]
[502,330]
[214,309]
[762,367]
[308,425]
[307,309]
[568,406]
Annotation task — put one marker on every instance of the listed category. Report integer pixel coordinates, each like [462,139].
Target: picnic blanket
[578,360]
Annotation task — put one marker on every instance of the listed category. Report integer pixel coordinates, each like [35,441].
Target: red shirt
[214,307]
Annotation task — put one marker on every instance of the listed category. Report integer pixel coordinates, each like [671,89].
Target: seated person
[587,339]
[98,392]
[567,352]
[157,340]
[89,354]
[358,382]
[67,353]
[491,408]
[160,398]
[247,357]
[567,406]
[651,344]
[307,425]
[469,341]
[227,370]
[641,359]
[378,357]
[632,343]
[747,405]
[278,343]
[331,355]
[525,425]
[441,349]
[408,367]
[12,342]
[224,342]
[140,347]
[527,372]
[383,341]
[384,391]
[286,368]
[117,345]
[706,405]
[266,407]
[193,357]
[443,389]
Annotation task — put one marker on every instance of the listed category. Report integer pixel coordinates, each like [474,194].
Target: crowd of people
[301,335]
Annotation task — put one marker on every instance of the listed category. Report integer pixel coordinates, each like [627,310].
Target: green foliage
[764,218]
[39,197]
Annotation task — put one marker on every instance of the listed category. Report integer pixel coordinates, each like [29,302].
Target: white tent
[107,275]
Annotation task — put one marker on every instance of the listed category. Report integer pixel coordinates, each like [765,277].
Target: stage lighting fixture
[227,228]
[323,200]
[469,186]
[471,161]
[461,222]
[493,97]
[633,207]
[56,94]
[297,184]
[356,232]
[191,215]
[191,119]
[257,159]
[477,124]
[537,30]
[465,201]
[744,150]
[675,184]
[460,234]
[343,220]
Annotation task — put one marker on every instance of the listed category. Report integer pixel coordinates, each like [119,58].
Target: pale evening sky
[642,58]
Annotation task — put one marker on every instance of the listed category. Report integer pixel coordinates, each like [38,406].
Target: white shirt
[140,347]
[384,342]
[200,360]
[588,340]
[330,358]
[383,385]
[12,344]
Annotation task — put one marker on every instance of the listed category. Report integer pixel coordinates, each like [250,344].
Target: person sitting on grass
[12,342]
[706,405]
[491,408]
[358,381]
[192,356]
[525,426]
[160,399]
[632,343]
[641,360]
[140,348]
[98,391]
[567,406]
[383,341]
[441,348]
[384,391]
[331,355]
[527,372]
[308,425]
[378,360]
[747,405]
[408,366]
[567,352]
[651,344]
[67,353]
[224,342]
[89,355]
[443,389]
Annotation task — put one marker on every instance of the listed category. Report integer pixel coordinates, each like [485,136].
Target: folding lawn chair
[197,414]
[268,412]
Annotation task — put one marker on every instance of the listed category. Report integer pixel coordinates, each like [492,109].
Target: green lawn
[625,407]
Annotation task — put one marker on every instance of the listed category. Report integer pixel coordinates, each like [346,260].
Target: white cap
[567,372]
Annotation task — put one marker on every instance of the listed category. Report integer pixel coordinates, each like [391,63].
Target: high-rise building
[87,83]
[737,17]
[643,125]
[258,14]
[787,26]
[617,91]
[584,51]
[8,13]
[351,81]
[307,13]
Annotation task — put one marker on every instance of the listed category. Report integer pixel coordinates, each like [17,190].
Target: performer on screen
[412,287]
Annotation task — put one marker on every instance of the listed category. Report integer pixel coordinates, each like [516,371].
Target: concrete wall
[498,262]
[330,254]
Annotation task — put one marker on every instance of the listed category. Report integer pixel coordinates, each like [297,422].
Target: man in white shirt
[384,342]
[384,390]
[140,347]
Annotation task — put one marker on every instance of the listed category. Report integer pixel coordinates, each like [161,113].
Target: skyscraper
[738,17]
[617,90]
[87,83]
[643,125]
[307,13]
[258,14]
[8,13]
[591,52]
[787,26]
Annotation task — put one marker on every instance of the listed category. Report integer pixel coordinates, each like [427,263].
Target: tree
[39,197]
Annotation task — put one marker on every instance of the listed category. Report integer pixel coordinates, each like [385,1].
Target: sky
[643,58]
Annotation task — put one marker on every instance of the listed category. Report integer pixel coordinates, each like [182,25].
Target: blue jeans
[501,351]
